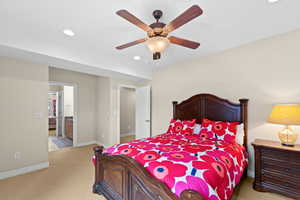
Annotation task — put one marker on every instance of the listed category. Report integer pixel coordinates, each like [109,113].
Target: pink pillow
[184,127]
[225,131]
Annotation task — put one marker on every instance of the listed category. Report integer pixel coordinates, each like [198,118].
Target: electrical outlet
[17,155]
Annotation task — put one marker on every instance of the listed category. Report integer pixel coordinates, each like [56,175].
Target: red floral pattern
[127,150]
[180,156]
[219,130]
[183,127]
[195,148]
[206,134]
[167,148]
[211,167]
[214,174]
[165,172]
[143,145]
[147,157]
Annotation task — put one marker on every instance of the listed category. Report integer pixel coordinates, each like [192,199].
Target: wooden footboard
[120,177]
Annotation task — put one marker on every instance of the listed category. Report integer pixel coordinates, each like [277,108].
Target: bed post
[174,108]
[99,173]
[244,107]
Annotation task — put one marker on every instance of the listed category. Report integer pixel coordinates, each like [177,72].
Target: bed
[120,177]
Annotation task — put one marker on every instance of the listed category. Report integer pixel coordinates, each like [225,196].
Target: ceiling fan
[158,40]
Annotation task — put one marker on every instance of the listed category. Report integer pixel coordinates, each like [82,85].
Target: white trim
[75,117]
[251,173]
[16,172]
[127,86]
[85,143]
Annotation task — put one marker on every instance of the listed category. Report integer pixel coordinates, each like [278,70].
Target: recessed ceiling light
[69,32]
[137,58]
[273,1]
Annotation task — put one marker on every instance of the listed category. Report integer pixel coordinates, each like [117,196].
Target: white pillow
[197,129]
[240,134]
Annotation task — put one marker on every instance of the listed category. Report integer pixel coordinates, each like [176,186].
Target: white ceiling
[34,28]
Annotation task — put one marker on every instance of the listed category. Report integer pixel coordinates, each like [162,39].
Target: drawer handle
[286,185]
[287,170]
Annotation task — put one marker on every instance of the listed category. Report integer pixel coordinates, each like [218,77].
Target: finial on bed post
[98,150]
[190,195]
[174,108]
[244,106]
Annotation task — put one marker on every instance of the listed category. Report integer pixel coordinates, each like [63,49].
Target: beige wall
[267,72]
[127,111]
[23,119]
[103,130]
[87,88]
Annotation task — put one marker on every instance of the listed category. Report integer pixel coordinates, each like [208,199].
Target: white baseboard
[86,143]
[251,173]
[16,172]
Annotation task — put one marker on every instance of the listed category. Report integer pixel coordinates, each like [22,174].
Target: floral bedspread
[211,167]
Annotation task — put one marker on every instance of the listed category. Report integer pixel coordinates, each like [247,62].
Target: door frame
[119,108]
[57,109]
[75,100]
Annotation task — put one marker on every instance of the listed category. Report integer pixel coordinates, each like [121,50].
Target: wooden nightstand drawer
[281,167]
[277,168]
[280,155]
[281,181]
[275,154]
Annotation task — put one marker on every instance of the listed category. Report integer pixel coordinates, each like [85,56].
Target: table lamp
[287,115]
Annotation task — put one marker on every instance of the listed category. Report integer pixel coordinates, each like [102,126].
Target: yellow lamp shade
[285,114]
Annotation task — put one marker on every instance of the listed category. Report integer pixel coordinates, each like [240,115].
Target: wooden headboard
[214,108]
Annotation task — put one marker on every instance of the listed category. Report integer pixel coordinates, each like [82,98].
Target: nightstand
[277,168]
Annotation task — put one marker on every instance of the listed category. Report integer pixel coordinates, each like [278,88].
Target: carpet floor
[71,175]
[127,139]
[56,143]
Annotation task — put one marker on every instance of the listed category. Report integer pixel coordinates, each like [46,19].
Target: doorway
[142,114]
[61,116]
[127,114]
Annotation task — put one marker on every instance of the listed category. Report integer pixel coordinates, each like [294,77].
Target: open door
[143,112]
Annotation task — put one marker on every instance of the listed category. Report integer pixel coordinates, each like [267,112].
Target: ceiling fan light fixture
[157,44]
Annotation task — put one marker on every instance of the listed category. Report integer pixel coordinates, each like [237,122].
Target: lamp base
[288,137]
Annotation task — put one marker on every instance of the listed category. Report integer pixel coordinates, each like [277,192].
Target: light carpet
[127,139]
[71,175]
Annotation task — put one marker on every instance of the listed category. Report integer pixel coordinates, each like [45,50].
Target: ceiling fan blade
[134,20]
[130,44]
[184,18]
[184,42]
